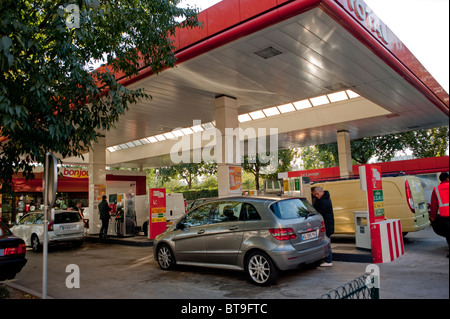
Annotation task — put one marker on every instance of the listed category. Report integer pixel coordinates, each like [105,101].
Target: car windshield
[293,208]
[67,217]
[4,230]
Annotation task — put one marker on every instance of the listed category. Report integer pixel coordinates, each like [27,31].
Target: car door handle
[234,227]
[202,231]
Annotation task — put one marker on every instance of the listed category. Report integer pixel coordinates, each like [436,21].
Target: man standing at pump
[103,209]
[322,203]
[439,208]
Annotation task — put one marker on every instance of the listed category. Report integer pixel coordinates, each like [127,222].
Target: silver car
[68,226]
[253,234]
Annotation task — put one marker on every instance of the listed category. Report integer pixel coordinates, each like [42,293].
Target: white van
[175,209]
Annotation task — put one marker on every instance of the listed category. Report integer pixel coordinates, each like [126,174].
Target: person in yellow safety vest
[439,208]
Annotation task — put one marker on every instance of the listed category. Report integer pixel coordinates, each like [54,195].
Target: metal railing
[355,289]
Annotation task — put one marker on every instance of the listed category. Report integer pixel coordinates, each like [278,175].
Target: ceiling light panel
[244,118]
[152,139]
[169,135]
[208,126]
[352,94]
[301,105]
[197,128]
[257,115]
[338,96]
[177,133]
[160,137]
[187,131]
[130,144]
[285,108]
[271,111]
[320,100]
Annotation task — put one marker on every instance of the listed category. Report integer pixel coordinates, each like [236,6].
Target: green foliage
[200,193]
[4,292]
[268,169]
[187,172]
[428,143]
[50,99]
[423,143]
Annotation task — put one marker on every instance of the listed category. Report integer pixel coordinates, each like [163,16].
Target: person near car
[322,203]
[103,209]
[439,208]
[79,208]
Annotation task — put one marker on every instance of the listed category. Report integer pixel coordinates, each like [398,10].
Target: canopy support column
[97,183]
[345,154]
[228,165]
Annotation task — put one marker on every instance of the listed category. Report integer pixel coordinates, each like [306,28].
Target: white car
[67,226]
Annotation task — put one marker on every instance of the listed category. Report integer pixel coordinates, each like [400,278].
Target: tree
[322,156]
[268,169]
[383,147]
[50,100]
[187,172]
[428,143]
[423,143]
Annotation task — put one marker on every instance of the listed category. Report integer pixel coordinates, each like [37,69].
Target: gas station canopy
[310,68]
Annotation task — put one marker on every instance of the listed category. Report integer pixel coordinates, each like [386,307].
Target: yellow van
[404,199]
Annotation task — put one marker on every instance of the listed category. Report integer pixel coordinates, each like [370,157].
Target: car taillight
[409,197]
[21,249]
[283,233]
[322,226]
[50,226]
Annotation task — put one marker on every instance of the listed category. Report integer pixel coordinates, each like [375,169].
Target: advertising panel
[157,218]
[235,177]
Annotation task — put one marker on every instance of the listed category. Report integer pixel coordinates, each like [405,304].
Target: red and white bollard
[387,241]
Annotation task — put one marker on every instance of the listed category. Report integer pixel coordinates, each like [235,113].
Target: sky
[422,25]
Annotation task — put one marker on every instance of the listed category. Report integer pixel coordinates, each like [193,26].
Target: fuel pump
[123,215]
[119,221]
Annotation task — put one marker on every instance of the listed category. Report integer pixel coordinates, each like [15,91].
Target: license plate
[310,235]
[69,227]
[2,252]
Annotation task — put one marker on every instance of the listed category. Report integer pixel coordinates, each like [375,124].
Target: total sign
[370,177]
[386,235]
[157,218]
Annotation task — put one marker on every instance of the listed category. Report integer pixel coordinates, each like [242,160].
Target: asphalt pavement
[128,271]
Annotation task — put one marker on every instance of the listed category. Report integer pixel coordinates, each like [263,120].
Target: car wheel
[35,244]
[261,269]
[166,259]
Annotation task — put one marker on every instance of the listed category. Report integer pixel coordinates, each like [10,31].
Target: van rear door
[416,198]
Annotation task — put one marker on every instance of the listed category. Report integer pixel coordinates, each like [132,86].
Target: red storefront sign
[74,172]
